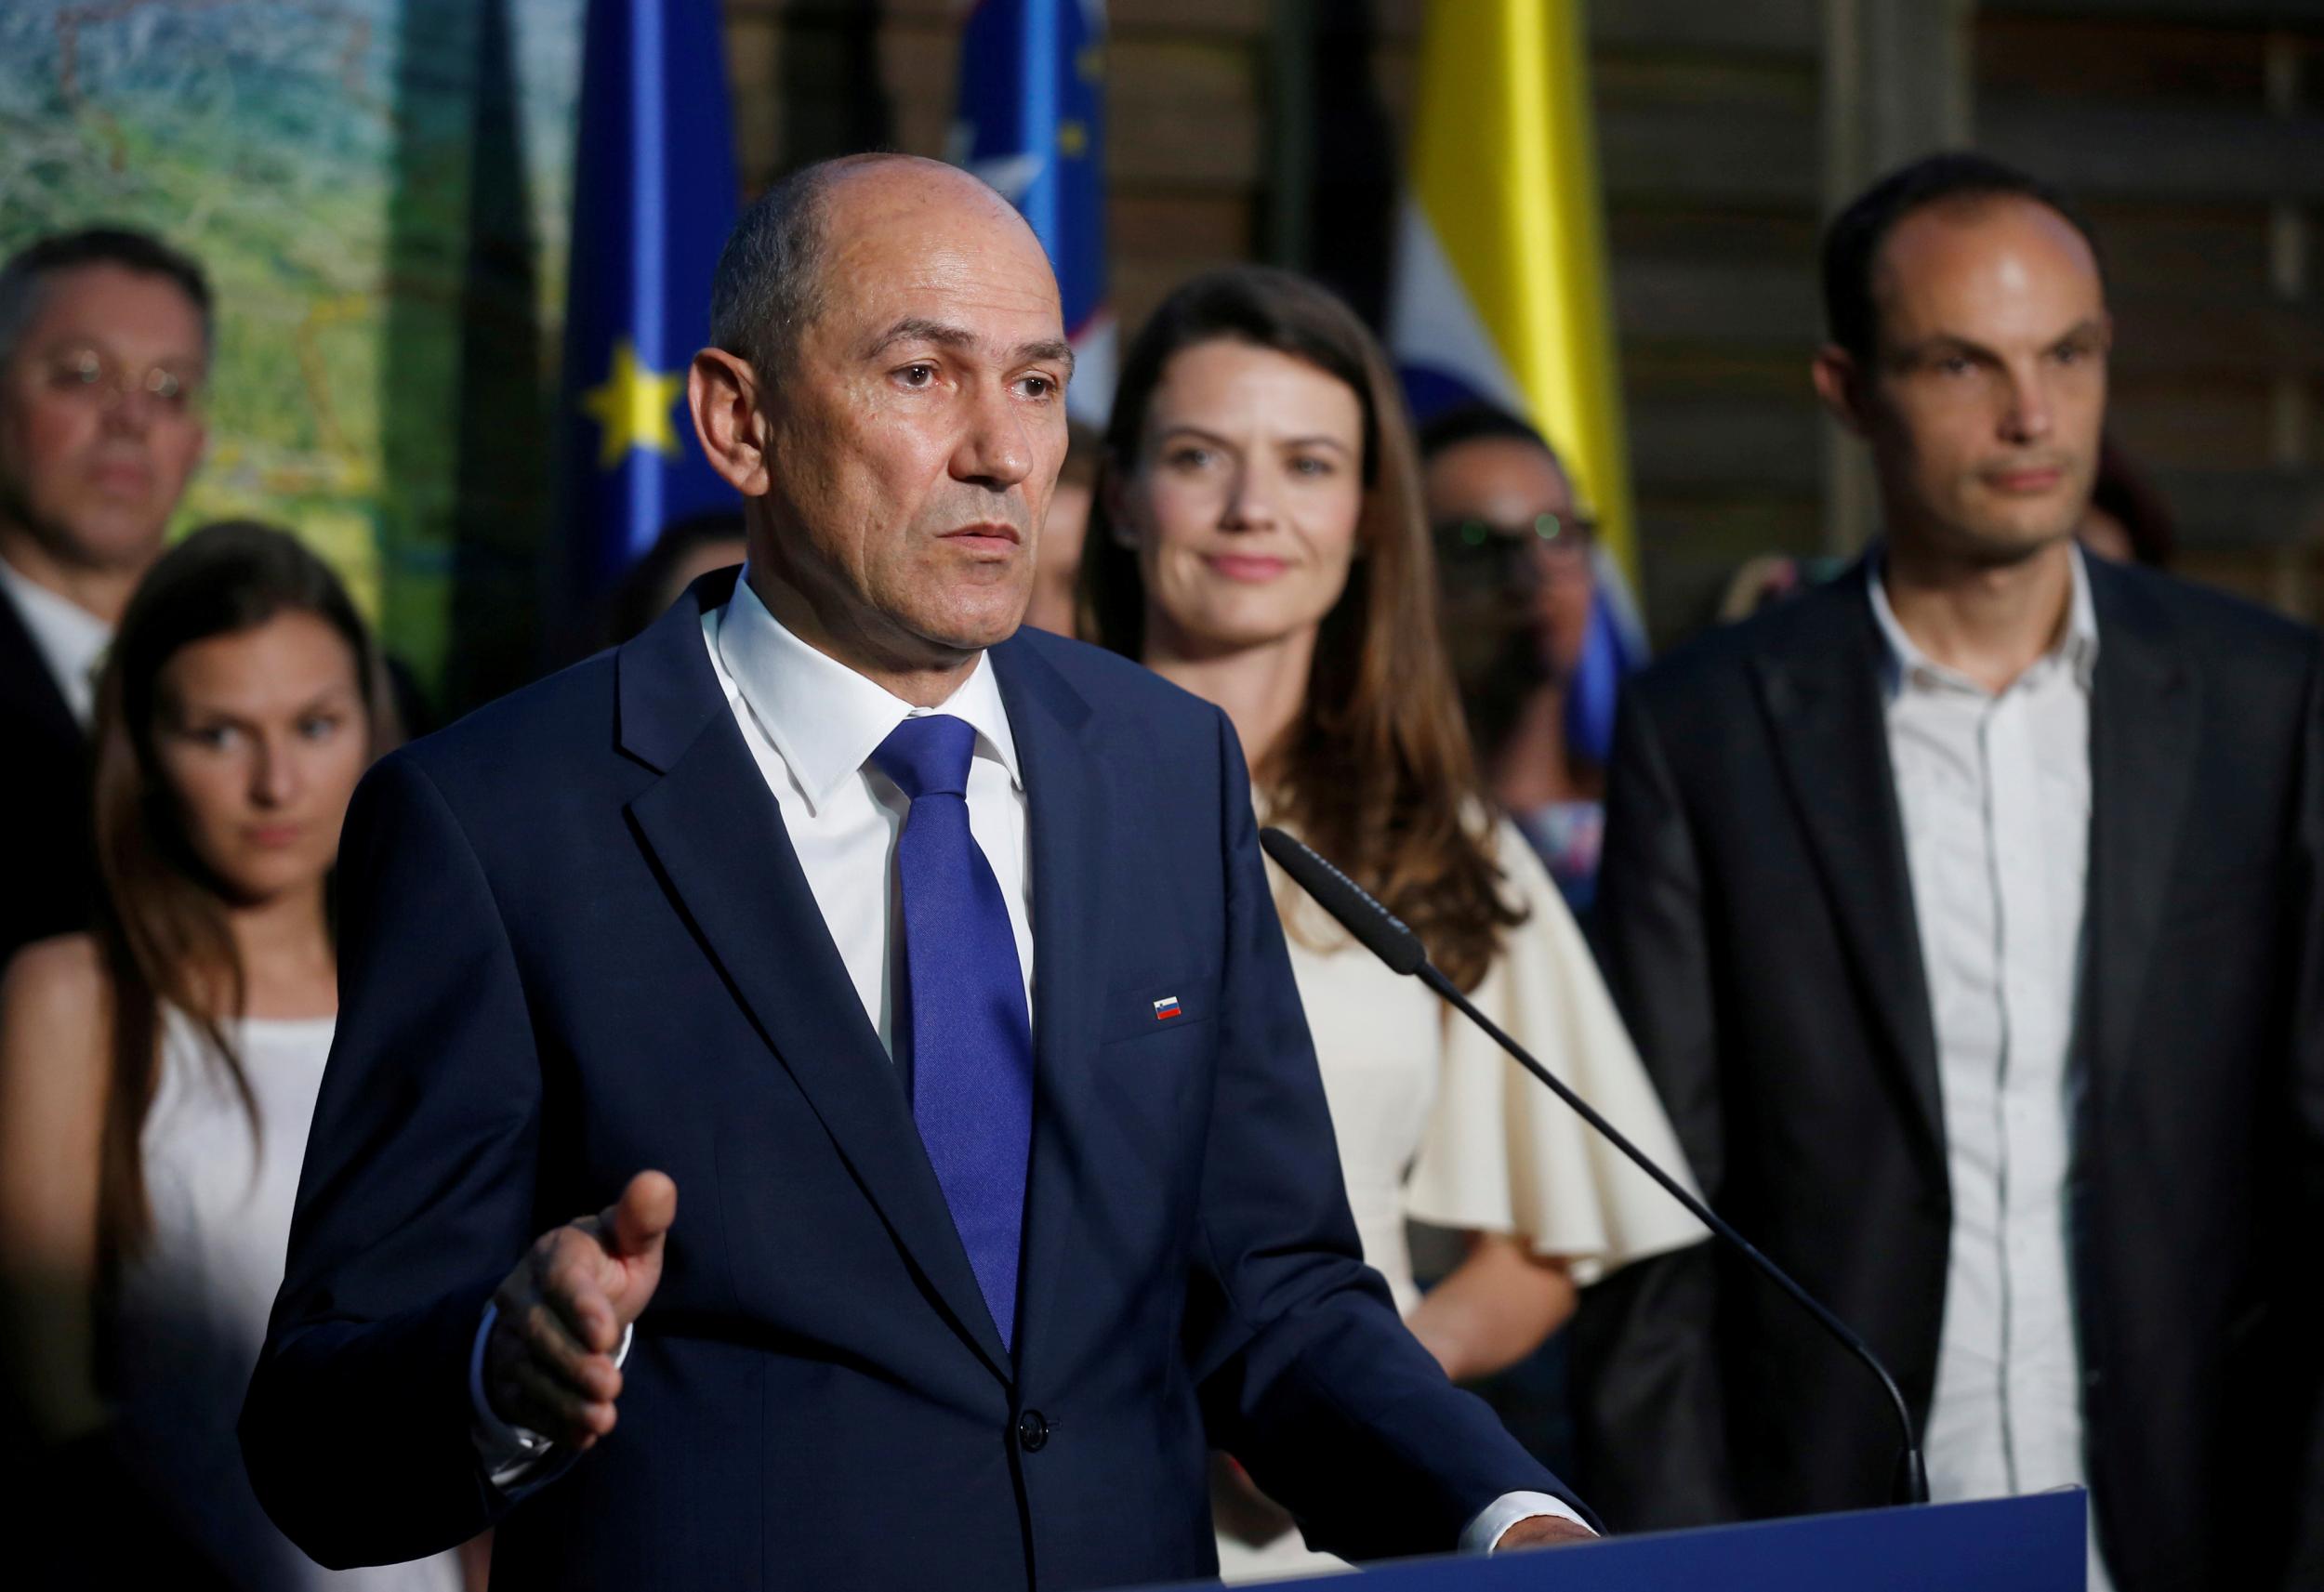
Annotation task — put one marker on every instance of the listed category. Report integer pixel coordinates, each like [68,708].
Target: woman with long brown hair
[157,1076]
[1259,539]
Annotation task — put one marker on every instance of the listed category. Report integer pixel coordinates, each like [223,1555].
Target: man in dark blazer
[1967,915]
[104,344]
[646,914]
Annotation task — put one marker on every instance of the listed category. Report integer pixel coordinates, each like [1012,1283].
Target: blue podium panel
[2009,1545]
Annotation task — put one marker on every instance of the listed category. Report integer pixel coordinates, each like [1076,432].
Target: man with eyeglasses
[104,342]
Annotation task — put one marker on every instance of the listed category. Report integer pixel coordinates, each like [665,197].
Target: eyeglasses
[96,376]
[1476,542]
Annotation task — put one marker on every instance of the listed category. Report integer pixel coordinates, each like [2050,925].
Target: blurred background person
[157,1075]
[1516,553]
[104,348]
[1965,910]
[1259,539]
[2127,519]
[685,551]
[1057,578]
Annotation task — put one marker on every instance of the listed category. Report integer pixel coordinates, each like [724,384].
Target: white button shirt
[1993,789]
[811,724]
[71,639]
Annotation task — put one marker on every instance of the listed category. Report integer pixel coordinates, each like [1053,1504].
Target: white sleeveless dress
[1436,1125]
[193,1310]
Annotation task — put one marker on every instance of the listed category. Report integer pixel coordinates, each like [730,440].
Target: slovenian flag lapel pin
[1165,1008]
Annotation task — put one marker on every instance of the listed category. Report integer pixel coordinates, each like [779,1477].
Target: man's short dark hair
[1479,422]
[1852,240]
[769,276]
[28,273]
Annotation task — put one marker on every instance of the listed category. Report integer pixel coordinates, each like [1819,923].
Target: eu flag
[653,198]
[1031,123]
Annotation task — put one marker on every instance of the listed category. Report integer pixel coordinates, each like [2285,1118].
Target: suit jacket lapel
[29,690]
[2145,722]
[714,830]
[1066,802]
[1821,692]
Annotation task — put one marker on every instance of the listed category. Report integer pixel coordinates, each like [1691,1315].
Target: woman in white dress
[157,1076]
[1259,539]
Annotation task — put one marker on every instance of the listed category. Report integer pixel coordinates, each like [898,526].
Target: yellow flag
[1501,285]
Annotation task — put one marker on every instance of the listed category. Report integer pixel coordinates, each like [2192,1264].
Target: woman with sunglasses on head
[1258,538]
[158,1075]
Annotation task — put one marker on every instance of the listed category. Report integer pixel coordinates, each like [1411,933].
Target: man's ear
[1840,383]
[722,392]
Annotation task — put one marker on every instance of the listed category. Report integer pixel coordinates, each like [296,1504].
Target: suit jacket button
[1032,1431]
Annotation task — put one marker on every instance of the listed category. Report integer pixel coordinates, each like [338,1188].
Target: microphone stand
[1387,937]
[1911,1483]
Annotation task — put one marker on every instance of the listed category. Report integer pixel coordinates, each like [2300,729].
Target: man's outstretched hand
[548,1365]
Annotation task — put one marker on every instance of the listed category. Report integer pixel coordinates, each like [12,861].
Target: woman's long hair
[162,921]
[1376,772]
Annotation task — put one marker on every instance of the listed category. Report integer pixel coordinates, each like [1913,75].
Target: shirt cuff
[512,1456]
[1485,1532]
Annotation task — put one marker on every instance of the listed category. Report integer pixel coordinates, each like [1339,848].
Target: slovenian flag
[1031,121]
[1501,282]
[653,198]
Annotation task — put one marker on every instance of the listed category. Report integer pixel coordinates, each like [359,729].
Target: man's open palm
[549,1367]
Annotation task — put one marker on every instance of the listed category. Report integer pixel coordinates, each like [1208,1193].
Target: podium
[2008,1544]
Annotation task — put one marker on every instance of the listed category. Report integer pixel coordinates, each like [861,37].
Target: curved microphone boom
[1387,937]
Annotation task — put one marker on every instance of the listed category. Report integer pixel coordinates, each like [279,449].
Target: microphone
[1387,937]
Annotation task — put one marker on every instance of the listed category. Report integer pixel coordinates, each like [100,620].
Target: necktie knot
[928,755]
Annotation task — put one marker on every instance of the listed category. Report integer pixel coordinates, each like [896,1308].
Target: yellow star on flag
[633,408]
[1073,140]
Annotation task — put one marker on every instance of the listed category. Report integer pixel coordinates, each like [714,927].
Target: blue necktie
[971,1038]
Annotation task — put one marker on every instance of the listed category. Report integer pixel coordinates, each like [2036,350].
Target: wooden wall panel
[2193,133]
[1707,120]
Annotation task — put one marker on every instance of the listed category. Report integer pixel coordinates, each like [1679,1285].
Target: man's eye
[1952,364]
[1040,387]
[918,376]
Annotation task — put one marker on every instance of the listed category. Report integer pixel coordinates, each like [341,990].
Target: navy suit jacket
[52,880]
[576,943]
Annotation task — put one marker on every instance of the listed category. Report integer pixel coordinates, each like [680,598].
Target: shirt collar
[71,639]
[1901,660]
[826,719]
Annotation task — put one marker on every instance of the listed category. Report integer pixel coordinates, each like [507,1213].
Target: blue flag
[1031,123]
[653,198]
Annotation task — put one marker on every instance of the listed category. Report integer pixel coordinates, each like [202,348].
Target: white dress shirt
[71,639]
[1993,789]
[811,724]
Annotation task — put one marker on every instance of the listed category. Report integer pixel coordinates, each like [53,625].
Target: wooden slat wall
[2195,130]
[1708,121]
[2192,133]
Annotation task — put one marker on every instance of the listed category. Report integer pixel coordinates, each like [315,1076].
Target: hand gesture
[548,1365]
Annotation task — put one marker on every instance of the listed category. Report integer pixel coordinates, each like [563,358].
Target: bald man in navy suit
[933,965]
